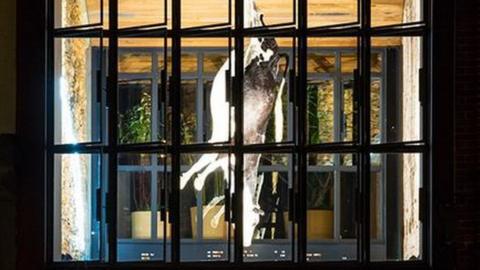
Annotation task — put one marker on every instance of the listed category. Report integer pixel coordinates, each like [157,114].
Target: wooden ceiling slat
[203,12]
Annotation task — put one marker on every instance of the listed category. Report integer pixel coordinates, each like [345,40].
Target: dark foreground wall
[460,234]
[467,137]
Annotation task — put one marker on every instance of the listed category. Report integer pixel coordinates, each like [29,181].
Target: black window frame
[363,147]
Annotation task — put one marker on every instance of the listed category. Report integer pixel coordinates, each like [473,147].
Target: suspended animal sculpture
[263,85]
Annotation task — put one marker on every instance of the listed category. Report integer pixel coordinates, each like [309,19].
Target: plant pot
[319,224]
[141,225]
[209,231]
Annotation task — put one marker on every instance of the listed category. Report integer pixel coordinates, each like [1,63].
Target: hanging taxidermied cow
[263,84]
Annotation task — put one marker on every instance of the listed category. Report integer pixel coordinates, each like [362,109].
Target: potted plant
[320,207]
[213,222]
[135,127]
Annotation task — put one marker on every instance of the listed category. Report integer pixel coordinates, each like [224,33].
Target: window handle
[234,209]
[110,211]
[99,87]
[227,205]
[99,204]
[170,92]
[291,204]
[292,97]
[422,204]
[357,201]
[422,86]
[163,207]
[228,86]
[163,86]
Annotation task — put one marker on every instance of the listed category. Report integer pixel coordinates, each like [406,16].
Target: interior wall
[7,126]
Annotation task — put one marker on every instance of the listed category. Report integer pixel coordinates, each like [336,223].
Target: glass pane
[141,226]
[267,226]
[318,62]
[396,109]
[396,12]
[274,12]
[135,62]
[205,91]
[267,107]
[331,207]
[77,234]
[396,229]
[78,90]
[331,116]
[204,13]
[331,12]
[142,91]
[135,111]
[204,230]
[70,13]
[349,62]
[134,13]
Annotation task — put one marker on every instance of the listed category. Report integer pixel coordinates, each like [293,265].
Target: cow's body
[261,82]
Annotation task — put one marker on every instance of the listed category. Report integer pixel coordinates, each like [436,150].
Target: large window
[237,131]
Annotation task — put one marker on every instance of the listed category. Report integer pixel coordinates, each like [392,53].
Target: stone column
[411,119]
[75,173]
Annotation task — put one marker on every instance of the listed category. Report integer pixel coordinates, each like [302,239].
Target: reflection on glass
[349,62]
[76,223]
[70,13]
[267,227]
[376,61]
[273,12]
[331,225]
[320,111]
[212,62]
[396,229]
[135,13]
[141,225]
[204,13]
[331,12]
[386,13]
[204,229]
[320,63]
[135,62]
[78,101]
[396,102]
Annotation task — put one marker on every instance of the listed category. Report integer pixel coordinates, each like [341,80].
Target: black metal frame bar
[362,147]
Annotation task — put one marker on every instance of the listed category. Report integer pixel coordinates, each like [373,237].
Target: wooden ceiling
[206,12]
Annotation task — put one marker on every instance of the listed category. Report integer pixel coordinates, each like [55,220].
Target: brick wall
[467,135]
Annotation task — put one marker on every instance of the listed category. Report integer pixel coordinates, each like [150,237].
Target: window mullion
[176,129]
[112,130]
[364,165]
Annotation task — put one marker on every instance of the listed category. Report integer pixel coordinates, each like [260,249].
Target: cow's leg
[216,218]
[197,167]
[200,180]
